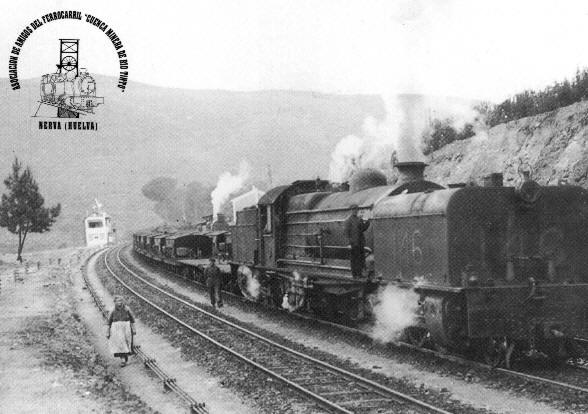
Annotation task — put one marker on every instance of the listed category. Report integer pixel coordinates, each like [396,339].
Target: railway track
[330,387]
[469,362]
[553,381]
[581,363]
[168,382]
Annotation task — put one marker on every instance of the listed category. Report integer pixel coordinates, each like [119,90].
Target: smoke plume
[160,188]
[399,132]
[178,205]
[228,184]
[395,309]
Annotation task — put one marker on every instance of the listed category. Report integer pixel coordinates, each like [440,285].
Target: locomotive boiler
[502,270]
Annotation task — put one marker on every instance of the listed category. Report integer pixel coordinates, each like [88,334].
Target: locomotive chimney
[220,223]
[493,180]
[410,171]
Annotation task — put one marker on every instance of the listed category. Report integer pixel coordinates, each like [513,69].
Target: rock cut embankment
[553,144]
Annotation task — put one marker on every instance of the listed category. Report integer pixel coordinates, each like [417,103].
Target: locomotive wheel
[556,351]
[323,306]
[416,336]
[497,351]
[492,352]
[356,310]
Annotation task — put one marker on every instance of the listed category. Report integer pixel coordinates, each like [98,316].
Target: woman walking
[121,329]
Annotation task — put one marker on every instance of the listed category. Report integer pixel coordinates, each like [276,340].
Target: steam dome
[367,178]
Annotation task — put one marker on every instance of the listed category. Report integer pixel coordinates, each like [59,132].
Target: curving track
[168,382]
[332,388]
[568,380]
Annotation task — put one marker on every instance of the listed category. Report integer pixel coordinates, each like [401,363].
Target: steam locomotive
[502,270]
[71,94]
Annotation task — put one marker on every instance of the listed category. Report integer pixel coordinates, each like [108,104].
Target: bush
[442,132]
[529,103]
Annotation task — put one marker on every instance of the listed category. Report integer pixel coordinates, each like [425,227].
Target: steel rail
[277,376]
[454,358]
[374,386]
[149,362]
[451,358]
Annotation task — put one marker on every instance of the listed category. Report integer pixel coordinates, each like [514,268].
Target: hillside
[554,144]
[149,132]
[194,136]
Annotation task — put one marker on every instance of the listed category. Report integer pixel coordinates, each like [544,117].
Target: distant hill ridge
[150,131]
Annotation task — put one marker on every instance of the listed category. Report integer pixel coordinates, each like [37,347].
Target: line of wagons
[185,252]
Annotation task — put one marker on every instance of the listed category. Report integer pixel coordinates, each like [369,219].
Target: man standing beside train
[354,228]
[213,281]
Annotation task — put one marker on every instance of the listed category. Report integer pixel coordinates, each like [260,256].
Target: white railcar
[99,228]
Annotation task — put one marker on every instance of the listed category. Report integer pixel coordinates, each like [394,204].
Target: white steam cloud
[253,286]
[294,298]
[251,283]
[228,184]
[346,158]
[395,310]
[399,132]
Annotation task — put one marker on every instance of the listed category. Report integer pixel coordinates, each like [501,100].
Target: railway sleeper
[309,373]
[314,380]
[347,393]
[370,403]
[320,388]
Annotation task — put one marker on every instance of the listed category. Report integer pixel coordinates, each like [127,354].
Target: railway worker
[213,281]
[354,228]
[121,329]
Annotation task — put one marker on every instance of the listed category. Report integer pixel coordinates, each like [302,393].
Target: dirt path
[477,395]
[54,356]
[47,364]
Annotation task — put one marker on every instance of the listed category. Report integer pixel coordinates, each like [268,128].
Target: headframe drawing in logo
[71,89]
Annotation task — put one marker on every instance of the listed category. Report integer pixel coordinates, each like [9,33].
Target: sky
[487,50]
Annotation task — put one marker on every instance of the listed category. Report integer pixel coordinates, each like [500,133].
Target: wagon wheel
[186,273]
